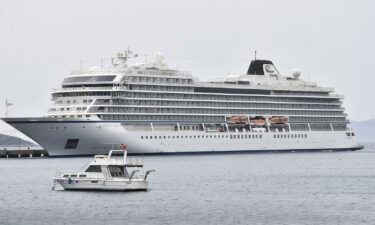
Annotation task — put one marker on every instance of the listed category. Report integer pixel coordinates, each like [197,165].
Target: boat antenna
[255,57]
[7,104]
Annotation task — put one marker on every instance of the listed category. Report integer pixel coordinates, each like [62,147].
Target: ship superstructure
[155,109]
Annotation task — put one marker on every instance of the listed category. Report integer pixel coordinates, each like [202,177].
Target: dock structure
[23,153]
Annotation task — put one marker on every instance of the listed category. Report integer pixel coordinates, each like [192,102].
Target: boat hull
[103,185]
[98,137]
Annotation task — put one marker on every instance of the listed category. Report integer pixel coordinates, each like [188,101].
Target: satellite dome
[296,73]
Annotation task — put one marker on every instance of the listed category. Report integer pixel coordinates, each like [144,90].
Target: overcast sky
[331,41]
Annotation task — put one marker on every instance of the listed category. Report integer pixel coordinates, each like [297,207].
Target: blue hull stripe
[231,152]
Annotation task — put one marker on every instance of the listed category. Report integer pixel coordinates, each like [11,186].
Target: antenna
[7,104]
[122,58]
[255,57]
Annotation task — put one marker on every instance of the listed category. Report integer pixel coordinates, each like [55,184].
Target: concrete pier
[28,153]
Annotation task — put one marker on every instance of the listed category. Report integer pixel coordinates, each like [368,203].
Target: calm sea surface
[271,188]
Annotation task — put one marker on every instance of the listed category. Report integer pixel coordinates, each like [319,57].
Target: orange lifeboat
[279,119]
[238,119]
[260,121]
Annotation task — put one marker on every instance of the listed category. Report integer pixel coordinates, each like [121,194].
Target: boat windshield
[118,171]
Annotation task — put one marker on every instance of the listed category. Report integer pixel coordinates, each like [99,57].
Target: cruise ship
[152,108]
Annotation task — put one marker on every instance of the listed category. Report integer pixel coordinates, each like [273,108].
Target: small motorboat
[112,172]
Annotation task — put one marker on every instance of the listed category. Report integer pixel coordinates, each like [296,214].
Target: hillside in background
[6,141]
[365,130]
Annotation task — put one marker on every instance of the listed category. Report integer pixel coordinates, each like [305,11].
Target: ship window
[94,169]
[88,79]
[71,143]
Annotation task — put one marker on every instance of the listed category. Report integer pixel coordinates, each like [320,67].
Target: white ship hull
[98,137]
[103,185]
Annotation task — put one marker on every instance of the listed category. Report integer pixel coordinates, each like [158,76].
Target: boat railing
[134,161]
[130,161]
[136,175]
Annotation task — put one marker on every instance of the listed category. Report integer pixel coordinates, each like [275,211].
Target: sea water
[265,188]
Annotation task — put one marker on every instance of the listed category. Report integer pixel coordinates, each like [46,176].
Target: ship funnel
[262,67]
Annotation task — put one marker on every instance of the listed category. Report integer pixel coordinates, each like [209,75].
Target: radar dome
[296,73]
